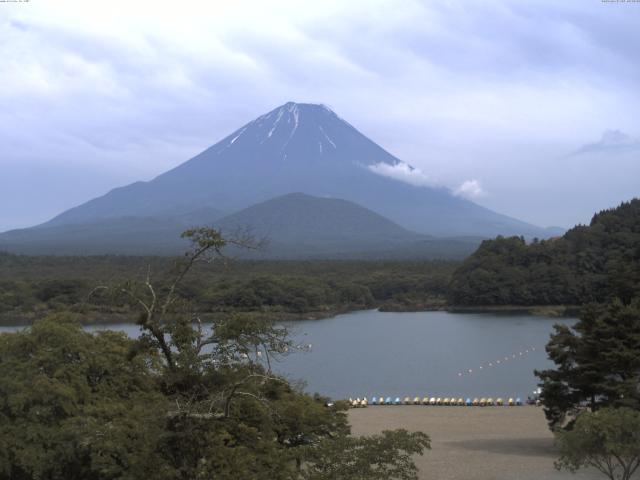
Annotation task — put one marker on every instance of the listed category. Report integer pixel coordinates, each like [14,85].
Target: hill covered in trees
[32,286]
[588,264]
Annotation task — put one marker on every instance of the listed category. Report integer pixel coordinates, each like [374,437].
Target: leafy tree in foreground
[598,363]
[362,458]
[607,440]
[73,406]
[185,401]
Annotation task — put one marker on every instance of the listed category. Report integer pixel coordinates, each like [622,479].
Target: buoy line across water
[496,363]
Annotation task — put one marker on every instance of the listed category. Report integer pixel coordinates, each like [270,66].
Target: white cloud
[612,141]
[482,89]
[470,189]
[402,171]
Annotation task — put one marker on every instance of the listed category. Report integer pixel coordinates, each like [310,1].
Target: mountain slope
[297,148]
[588,263]
[302,226]
[130,235]
[301,218]
[294,226]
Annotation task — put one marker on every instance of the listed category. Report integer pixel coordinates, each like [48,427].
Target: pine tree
[598,362]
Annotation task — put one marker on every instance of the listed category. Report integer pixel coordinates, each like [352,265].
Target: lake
[371,353]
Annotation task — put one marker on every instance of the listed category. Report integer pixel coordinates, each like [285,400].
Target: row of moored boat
[452,401]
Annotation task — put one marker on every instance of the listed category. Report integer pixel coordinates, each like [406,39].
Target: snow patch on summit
[327,136]
[295,112]
[274,126]
[237,136]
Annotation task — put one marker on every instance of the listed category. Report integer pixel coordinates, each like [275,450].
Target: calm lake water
[371,353]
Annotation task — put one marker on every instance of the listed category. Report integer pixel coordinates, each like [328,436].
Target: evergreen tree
[597,362]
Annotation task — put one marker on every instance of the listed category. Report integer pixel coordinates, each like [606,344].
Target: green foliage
[587,264]
[182,402]
[597,362]
[607,440]
[277,289]
[385,456]
[72,406]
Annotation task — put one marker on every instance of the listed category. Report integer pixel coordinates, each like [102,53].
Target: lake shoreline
[372,353]
[94,318]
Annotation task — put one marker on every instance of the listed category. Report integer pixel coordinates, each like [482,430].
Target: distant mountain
[298,148]
[295,226]
[294,148]
[298,218]
[299,225]
[127,235]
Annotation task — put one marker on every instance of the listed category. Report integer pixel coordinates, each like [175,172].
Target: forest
[184,401]
[588,264]
[32,286]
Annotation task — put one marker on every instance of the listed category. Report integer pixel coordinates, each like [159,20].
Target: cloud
[402,171]
[612,141]
[470,189]
[482,89]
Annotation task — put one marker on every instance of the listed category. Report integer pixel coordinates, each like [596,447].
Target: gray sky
[531,108]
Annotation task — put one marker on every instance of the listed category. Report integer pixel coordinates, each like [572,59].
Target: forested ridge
[31,286]
[588,264]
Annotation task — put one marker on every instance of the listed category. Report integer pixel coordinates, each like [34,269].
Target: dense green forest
[184,401]
[31,286]
[588,264]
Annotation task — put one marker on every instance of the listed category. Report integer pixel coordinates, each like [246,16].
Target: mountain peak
[298,147]
[310,106]
[289,124]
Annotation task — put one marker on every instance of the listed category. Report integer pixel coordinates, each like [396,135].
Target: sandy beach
[492,443]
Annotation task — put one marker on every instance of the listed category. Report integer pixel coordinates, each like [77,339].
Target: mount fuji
[296,147]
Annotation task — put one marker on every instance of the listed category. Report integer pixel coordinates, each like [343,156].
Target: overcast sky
[531,108]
